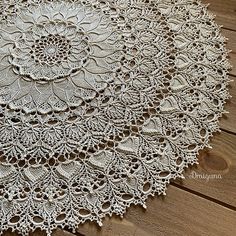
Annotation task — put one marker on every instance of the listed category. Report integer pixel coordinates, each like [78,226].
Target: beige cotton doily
[102,103]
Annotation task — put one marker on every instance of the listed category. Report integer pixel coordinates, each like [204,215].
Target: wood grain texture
[227,122]
[225,11]
[231,45]
[215,176]
[180,213]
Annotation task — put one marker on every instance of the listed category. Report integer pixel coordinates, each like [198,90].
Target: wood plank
[227,122]
[225,11]
[219,165]
[179,213]
[231,45]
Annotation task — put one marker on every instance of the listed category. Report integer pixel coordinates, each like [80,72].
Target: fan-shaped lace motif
[102,103]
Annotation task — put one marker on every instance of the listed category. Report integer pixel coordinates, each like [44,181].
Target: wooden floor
[192,206]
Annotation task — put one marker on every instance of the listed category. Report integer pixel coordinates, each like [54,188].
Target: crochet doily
[102,103]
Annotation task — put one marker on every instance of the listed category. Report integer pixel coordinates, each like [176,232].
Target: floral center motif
[51,49]
[63,58]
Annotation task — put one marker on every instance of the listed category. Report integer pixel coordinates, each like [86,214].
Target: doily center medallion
[102,103]
[51,50]
[58,59]
[58,50]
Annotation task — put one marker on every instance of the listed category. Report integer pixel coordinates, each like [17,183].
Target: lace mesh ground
[136,93]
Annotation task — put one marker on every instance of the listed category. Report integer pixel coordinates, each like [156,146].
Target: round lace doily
[102,102]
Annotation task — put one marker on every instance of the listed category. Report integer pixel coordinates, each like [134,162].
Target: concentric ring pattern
[102,103]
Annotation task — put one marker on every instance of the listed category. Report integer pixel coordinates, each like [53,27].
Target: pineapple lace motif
[102,103]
